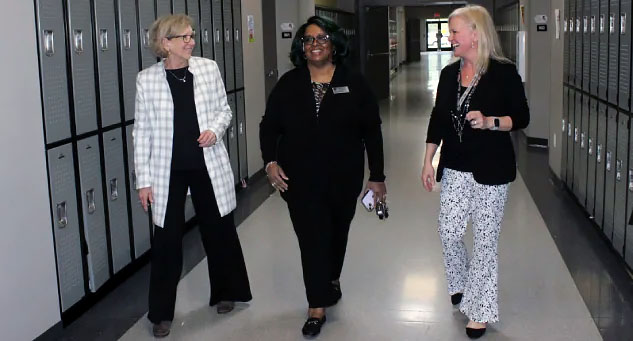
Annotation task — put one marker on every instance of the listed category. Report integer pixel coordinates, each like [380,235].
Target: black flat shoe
[225,307]
[161,329]
[457,298]
[475,333]
[312,327]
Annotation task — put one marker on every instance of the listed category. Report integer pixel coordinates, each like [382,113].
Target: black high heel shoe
[312,327]
[475,333]
[457,298]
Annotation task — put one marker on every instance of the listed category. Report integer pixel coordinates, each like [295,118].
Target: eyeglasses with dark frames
[185,37]
[320,39]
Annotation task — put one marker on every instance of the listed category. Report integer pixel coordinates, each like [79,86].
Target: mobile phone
[368,200]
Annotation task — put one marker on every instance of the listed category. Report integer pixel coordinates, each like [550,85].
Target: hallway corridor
[393,281]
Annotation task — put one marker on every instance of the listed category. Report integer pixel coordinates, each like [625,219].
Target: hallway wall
[295,12]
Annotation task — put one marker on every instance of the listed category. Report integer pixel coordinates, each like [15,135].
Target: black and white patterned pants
[462,198]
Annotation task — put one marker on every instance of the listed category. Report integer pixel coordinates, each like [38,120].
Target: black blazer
[325,152]
[499,93]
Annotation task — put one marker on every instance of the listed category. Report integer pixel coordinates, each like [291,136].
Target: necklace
[458,116]
[183,79]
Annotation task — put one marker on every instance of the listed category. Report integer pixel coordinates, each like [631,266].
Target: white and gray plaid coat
[154,131]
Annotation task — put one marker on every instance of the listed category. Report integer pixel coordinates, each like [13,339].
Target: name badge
[340,90]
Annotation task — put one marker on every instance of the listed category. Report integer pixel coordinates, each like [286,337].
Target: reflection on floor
[393,282]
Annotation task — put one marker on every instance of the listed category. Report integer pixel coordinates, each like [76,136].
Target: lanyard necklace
[183,79]
[458,116]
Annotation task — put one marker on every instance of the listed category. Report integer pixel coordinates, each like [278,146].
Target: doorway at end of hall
[437,35]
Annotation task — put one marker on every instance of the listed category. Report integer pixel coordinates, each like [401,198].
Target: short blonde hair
[488,45]
[164,27]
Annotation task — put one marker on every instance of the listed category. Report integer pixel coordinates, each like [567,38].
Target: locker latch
[237,35]
[630,180]
[590,151]
[127,39]
[227,35]
[623,23]
[601,23]
[578,25]
[611,23]
[90,200]
[569,129]
[103,39]
[205,36]
[608,160]
[78,41]
[618,170]
[593,24]
[563,125]
[565,25]
[114,189]
[585,23]
[582,140]
[49,43]
[232,133]
[146,38]
[599,153]
[575,134]
[62,216]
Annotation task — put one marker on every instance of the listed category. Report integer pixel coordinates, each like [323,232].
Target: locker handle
[590,151]
[78,40]
[623,23]
[241,128]
[571,25]
[575,135]
[593,24]
[62,215]
[114,189]
[578,25]
[611,23]
[145,38]
[103,39]
[601,23]
[582,140]
[127,39]
[630,180]
[585,23]
[90,200]
[205,36]
[227,35]
[599,153]
[563,127]
[237,35]
[608,161]
[618,170]
[569,129]
[217,35]
[49,43]
[232,133]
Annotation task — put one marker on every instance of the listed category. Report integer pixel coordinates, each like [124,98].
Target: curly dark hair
[340,48]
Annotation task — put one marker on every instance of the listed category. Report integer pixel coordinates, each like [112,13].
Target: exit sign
[436,15]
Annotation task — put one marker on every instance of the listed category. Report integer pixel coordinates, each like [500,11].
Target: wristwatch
[497,123]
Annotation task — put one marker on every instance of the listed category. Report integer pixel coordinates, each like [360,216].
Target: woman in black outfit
[319,120]
[480,98]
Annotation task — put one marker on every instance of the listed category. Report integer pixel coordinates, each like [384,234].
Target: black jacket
[499,93]
[323,153]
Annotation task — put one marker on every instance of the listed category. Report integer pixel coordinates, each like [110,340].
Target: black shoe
[457,298]
[161,329]
[312,327]
[475,333]
[225,307]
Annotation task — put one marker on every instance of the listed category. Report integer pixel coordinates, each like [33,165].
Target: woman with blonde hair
[480,99]
[181,115]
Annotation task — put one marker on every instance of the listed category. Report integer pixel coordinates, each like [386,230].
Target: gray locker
[584,150]
[206,29]
[231,133]
[609,179]
[572,42]
[92,212]
[586,45]
[566,36]
[105,28]
[117,199]
[238,47]
[614,45]
[580,158]
[603,58]
[570,139]
[594,30]
[621,183]
[146,18]
[624,83]
[190,212]
[70,275]
[82,65]
[163,7]
[241,135]
[140,218]
[563,140]
[54,78]
[628,247]
[128,50]
[229,59]
[193,11]
[579,44]
[218,36]
[179,6]
[592,140]
[600,164]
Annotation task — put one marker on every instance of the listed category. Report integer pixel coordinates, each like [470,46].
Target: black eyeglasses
[321,39]
[185,37]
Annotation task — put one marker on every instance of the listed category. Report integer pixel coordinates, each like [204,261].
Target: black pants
[322,227]
[227,271]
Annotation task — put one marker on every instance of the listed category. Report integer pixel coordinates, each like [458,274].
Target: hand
[207,139]
[477,120]
[276,176]
[428,177]
[379,189]
[146,197]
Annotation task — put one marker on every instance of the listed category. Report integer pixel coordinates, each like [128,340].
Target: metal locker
[141,226]
[580,158]
[594,31]
[238,48]
[116,198]
[179,6]
[628,247]
[193,11]
[105,28]
[572,42]
[206,29]
[603,58]
[218,36]
[92,212]
[231,132]
[53,74]
[600,164]
[163,7]
[621,183]
[591,155]
[609,178]
[128,51]
[229,60]
[586,45]
[241,135]
[579,44]
[70,274]
[563,140]
[570,138]
[82,65]
[190,212]
[584,150]
[146,18]
[614,46]
[566,36]
[624,83]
